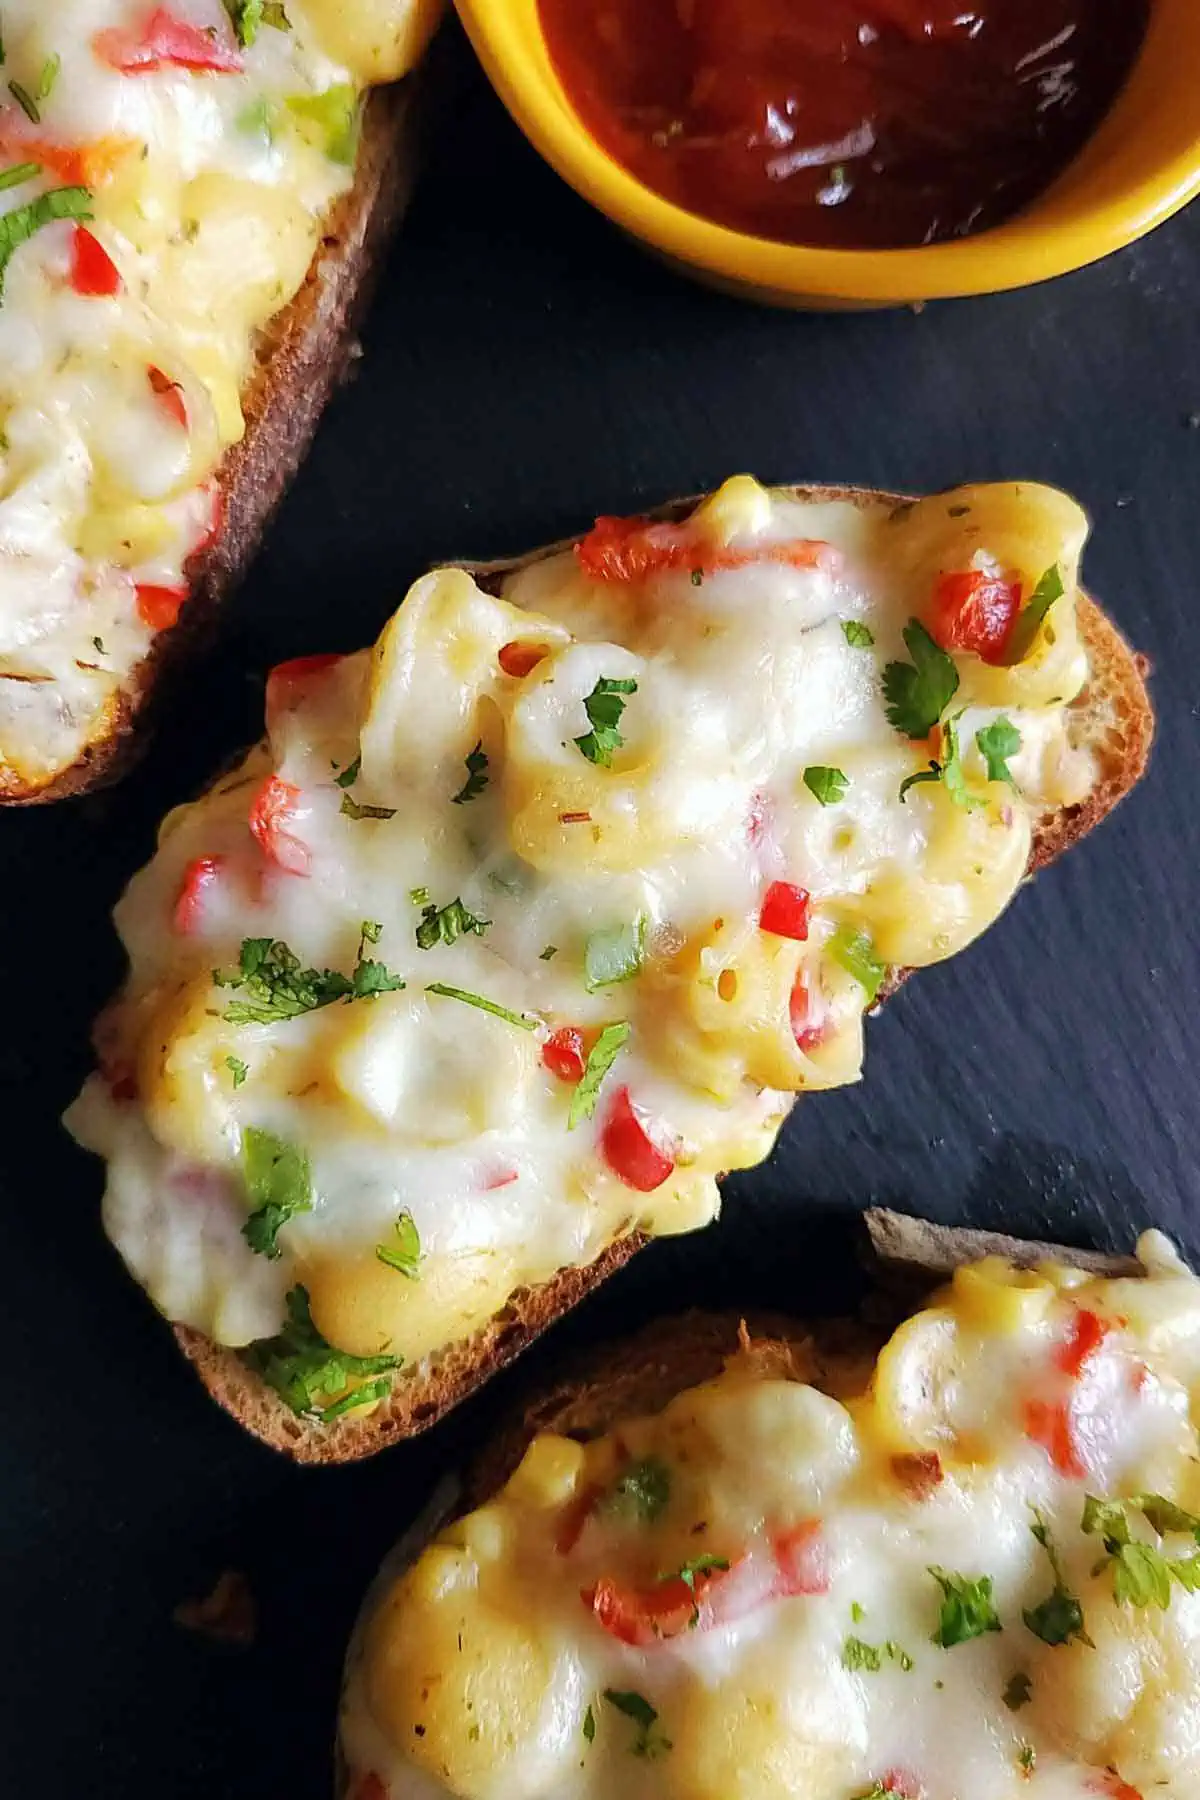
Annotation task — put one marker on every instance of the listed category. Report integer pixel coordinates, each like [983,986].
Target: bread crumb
[229,1615]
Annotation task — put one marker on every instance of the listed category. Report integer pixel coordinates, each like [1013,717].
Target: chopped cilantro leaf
[589,1725]
[354,809]
[649,1742]
[477,777]
[249,16]
[968,1610]
[615,953]
[1031,616]
[1059,1617]
[857,1613]
[857,1655]
[302,1368]
[826,785]
[237,1069]
[548,954]
[1165,1516]
[1018,1690]
[276,987]
[601,1057]
[444,925]
[1142,1572]
[857,635]
[856,953]
[916,694]
[1027,1759]
[18,226]
[997,742]
[688,1572]
[643,1490]
[405,1254]
[484,1005]
[604,706]
[419,896]
[949,771]
[278,1179]
[350,773]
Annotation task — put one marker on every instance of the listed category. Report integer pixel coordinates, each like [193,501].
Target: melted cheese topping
[540,1646]
[125,341]
[692,897]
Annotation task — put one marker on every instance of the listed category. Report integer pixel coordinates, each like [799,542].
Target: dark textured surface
[524,369]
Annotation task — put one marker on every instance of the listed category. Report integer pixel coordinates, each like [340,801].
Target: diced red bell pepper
[903,1783]
[94,274]
[288,681]
[974,611]
[1049,1423]
[629,1150]
[76,165]
[157,606]
[800,1561]
[785,911]
[165,42]
[201,876]
[1085,1334]
[273,810]
[627,550]
[503,1175]
[169,395]
[808,1016]
[518,658]
[645,1616]
[1110,1784]
[562,1053]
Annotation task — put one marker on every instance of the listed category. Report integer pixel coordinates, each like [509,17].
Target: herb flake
[604,707]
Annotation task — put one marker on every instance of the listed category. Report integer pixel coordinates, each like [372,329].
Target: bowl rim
[1018,253]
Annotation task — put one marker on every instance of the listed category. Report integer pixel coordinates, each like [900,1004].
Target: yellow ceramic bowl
[1140,167]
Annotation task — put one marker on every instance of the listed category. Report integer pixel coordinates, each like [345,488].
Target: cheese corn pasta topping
[523,927]
[164,174]
[973,1577]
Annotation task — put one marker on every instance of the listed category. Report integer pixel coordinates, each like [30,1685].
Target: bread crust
[1113,715]
[302,357]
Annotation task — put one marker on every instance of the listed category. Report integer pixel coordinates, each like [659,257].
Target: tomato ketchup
[847,123]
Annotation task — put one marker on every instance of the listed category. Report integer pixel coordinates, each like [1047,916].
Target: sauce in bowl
[853,124]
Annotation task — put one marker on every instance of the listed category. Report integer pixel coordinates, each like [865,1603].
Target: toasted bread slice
[301,359]
[1113,716]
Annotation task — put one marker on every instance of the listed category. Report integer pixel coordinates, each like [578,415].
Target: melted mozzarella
[847,1689]
[207,191]
[583,895]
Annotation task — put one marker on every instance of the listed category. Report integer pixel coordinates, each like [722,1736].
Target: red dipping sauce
[848,123]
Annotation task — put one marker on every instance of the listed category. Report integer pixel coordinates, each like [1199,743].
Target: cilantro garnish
[967,1611]
[278,1179]
[301,1366]
[858,1655]
[443,925]
[1027,1759]
[857,635]
[484,1005]
[604,706]
[826,785]
[1018,1691]
[276,987]
[1029,620]
[18,226]
[997,742]
[916,694]
[237,1069]
[1059,1617]
[856,953]
[249,16]
[405,1254]
[548,954]
[477,777]
[1142,1572]
[350,773]
[335,116]
[589,1725]
[354,809]
[613,954]
[649,1742]
[949,771]
[601,1057]
[51,69]
[643,1490]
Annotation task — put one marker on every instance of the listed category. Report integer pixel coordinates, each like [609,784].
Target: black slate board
[525,368]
